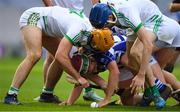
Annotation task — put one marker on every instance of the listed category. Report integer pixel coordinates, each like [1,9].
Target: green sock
[47,90]
[147,92]
[88,89]
[13,90]
[155,91]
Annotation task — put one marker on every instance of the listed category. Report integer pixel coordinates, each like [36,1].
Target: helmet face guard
[99,15]
[81,63]
[84,64]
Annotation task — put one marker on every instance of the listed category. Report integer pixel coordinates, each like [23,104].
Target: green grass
[34,83]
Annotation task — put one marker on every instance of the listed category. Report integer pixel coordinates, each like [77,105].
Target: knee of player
[34,56]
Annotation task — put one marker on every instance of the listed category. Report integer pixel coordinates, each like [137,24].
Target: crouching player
[103,60]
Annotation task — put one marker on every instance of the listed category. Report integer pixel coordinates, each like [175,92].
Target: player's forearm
[147,50]
[112,85]
[95,1]
[48,3]
[74,95]
[146,38]
[67,66]
[98,81]
[174,7]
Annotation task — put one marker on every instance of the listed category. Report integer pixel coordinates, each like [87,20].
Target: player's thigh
[165,56]
[128,47]
[134,53]
[32,38]
[137,49]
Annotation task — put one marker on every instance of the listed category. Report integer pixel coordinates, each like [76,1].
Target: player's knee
[34,56]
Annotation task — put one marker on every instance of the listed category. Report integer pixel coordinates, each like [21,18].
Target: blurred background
[10,36]
[10,11]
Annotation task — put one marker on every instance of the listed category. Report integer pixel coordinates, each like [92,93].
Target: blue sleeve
[121,46]
[104,58]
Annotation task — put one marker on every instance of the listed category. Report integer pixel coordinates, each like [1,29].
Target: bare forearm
[48,3]
[174,7]
[74,95]
[112,84]
[95,1]
[67,66]
[147,39]
[145,59]
[98,81]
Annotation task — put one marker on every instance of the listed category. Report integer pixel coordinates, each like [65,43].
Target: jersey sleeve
[131,16]
[104,58]
[76,35]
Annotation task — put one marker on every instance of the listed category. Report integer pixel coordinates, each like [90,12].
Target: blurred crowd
[10,10]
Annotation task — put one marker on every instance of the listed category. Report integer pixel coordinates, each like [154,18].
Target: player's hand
[64,103]
[137,83]
[84,83]
[103,103]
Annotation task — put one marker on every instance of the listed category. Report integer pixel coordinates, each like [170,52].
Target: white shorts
[168,33]
[29,17]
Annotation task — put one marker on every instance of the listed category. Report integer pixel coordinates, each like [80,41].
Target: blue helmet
[99,15]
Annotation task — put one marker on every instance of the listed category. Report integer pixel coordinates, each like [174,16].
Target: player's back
[56,21]
[145,9]
[74,4]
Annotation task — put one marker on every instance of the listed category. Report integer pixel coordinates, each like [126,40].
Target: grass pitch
[33,86]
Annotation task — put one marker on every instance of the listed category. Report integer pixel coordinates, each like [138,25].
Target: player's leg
[130,99]
[163,88]
[166,58]
[53,74]
[89,93]
[136,54]
[171,79]
[127,98]
[47,62]
[33,44]
[100,83]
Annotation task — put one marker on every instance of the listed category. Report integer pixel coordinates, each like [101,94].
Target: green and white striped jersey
[135,13]
[59,22]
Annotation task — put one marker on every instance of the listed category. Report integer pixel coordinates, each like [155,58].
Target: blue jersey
[114,54]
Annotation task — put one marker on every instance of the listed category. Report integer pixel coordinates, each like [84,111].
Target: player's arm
[132,18]
[48,3]
[76,92]
[95,1]
[99,81]
[147,39]
[174,7]
[62,55]
[112,82]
